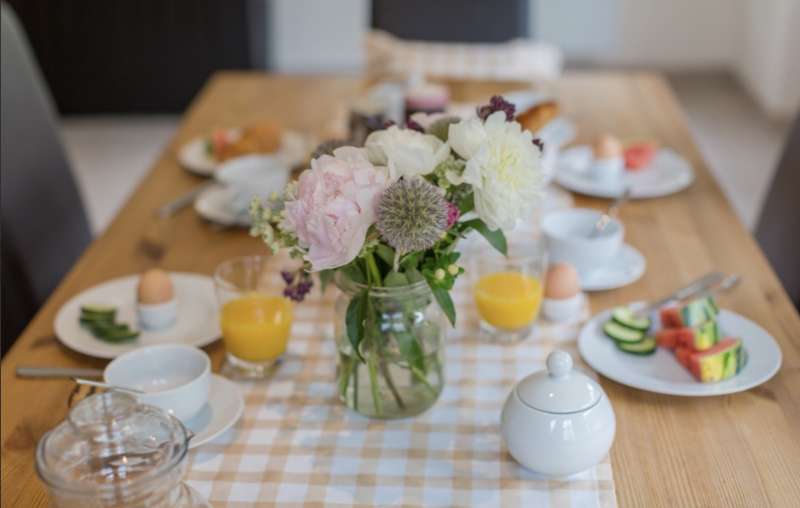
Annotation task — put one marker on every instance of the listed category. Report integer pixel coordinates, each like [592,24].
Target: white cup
[567,233]
[607,171]
[252,176]
[174,377]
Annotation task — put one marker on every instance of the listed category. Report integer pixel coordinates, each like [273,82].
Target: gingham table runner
[298,445]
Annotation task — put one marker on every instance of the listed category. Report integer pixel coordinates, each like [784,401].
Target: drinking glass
[509,291]
[255,317]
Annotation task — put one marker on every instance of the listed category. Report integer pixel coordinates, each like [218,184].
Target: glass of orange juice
[508,291]
[255,317]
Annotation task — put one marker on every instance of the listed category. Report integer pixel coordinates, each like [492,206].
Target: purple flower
[411,124]
[388,123]
[299,284]
[539,144]
[497,103]
[453,213]
[288,277]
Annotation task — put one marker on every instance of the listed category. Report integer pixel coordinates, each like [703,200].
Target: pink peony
[335,205]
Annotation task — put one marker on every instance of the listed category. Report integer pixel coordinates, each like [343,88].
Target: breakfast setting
[411,291]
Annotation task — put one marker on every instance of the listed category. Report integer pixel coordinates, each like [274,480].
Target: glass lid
[111,444]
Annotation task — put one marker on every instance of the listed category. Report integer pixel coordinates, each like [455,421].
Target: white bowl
[567,233]
[157,316]
[175,378]
[253,176]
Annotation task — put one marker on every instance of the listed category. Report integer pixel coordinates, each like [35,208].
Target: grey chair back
[44,226]
[778,229]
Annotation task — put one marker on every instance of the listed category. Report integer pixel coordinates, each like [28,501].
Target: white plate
[197,324]
[668,173]
[623,269]
[662,373]
[194,157]
[225,407]
[214,204]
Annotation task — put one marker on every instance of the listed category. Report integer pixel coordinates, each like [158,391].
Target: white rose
[407,152]
[504,170]
[466,136]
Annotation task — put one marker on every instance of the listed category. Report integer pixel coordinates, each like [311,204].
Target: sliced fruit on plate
[694,313]
[682,354]
[646,346]
[627,318]
[639,155]
[622,333]
[723,361]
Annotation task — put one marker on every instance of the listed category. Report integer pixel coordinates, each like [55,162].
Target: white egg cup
[157,316]
[174,377]
[563,309]
[609,170]
[558,422]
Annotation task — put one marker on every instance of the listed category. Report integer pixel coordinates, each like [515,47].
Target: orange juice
[508,300]
[255,327]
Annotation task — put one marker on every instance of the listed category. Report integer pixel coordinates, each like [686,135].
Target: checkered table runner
[298,445]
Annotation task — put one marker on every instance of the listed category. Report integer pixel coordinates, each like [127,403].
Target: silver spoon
[99,384]
[610,214]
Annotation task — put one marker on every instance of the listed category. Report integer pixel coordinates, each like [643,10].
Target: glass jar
[112,451]
[398,369]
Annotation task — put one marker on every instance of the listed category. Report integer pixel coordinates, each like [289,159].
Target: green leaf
[386,253]
[410,349]
[466,203]
[395,279]
[410,261]
[414,275]
[325,278]
[354,273]
[354,321]
[496,238]
[445,302]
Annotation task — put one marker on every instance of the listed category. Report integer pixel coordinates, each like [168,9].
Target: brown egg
[561,282]
[155,286]
[607,146]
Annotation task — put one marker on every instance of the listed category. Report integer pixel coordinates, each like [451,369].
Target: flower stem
[372,267]
[390,383]
[373,384]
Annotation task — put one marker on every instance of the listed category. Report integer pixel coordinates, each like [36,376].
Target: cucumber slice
[627,318]
[646,346]
[118,335]
[98,309]
[622,333]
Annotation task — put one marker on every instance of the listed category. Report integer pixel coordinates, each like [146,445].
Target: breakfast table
[733,450]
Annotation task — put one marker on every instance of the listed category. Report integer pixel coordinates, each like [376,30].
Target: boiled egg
[561,282]
[607,146]
[155,286]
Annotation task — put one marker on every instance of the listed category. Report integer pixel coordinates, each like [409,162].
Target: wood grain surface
[737,450]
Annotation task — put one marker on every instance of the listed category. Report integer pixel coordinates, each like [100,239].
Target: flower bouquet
[382,222]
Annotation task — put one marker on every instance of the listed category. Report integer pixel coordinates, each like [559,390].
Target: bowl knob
[559,364]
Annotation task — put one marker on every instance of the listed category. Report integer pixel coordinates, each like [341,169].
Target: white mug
[568,235]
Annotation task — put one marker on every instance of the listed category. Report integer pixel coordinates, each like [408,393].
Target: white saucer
[194,156]
[224,408]
[661,372]
[625,268]
[214,204]
[668,173]
[197,323]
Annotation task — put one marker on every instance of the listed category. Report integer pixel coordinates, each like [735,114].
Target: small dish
[214,205]
[668,173]
[224,408]
[157,316]
[660,373]
[173,377]
[626,267]
[197,323]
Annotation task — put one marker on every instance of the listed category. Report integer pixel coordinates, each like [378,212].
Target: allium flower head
[497,103]
[412,214]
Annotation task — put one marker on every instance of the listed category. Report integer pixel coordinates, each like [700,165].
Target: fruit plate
[660,372]
[197,323]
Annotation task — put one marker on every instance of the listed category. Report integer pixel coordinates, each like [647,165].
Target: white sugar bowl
[558,421]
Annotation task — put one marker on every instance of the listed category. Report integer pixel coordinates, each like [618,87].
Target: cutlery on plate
[57,372]
[99,384]
[695,287]
[611,213]
[183,201]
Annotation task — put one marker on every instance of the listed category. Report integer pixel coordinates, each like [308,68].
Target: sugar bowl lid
[560,388]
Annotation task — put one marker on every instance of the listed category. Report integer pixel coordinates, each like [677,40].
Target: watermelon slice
[639,155]
[723,361]
[692,314]
[683,354]
[699,338]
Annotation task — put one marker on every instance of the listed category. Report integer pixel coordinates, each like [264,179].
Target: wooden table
[737,450]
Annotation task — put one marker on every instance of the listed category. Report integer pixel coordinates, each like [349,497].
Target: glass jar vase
[391,356]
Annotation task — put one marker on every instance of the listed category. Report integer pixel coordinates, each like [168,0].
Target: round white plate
[225,407]
[668,173]
[197,324]
[214,204]
[194,157]
[625,268]
[662,373]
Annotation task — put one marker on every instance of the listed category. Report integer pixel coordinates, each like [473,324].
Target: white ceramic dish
[565,310]
[224,408]
[661,372]
[214,204]
[197,323]
[194,157]
[626,267]
[252,176]
[174,377]
[157,316]
[668,173]
[568,234]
